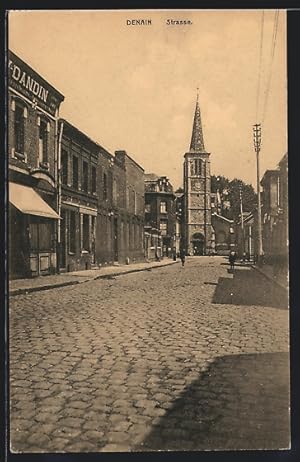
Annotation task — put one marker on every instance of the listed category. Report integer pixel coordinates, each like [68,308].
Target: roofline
[70,125]
[268,173]
[284,158]
[135,162]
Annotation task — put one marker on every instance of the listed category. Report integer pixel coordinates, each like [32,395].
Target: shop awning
[28,201]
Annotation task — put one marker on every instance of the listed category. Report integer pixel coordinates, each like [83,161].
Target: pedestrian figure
[174,254]
[182,256]
[232,258]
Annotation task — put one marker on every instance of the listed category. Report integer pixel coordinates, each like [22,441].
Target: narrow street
[174,358]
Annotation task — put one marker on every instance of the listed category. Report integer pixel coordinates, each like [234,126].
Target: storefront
[152,244]
[32,113]
[32,228]
[78,234]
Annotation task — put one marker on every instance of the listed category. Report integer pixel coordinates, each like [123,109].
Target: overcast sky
[134,87]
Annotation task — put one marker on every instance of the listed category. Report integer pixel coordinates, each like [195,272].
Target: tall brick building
[78,198]
[72,204]
[128,208]
[33,111]
[101,204]
[160,209]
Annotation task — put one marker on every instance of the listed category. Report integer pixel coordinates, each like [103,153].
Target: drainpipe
[60,133]
[56,184]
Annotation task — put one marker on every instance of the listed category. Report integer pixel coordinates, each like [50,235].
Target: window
[104,186]
[163,228]
[147,208]
[196,167]
[85,233]
[135,202]
[163,207]
[94,180]
[85,176]
[43,142]
[115,191]
[75,172]
[127,198]
[19,129]
[132,201]
[64,167]
[93,230]
[72,232]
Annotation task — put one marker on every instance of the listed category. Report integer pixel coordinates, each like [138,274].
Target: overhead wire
[269,77]
[260,63]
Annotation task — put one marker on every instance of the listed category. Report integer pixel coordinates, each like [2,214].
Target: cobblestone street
[174,358]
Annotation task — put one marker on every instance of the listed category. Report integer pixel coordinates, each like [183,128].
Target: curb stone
[71,283]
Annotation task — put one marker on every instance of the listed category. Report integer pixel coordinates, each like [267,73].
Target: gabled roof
[84,136]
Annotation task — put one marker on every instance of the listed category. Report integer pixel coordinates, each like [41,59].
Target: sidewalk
[24,286]
[268,271]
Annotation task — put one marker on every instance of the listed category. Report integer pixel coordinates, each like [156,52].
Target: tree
[229,191]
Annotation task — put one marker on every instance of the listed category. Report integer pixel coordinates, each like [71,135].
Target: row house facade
[102,204]
[78,207]
[222,234]
[33,112]
[179,222]
[275,213]
[247,235]
[274,218]
[160,210]
[72,204]
[128,209]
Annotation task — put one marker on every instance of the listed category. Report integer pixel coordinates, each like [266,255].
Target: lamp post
[257,144]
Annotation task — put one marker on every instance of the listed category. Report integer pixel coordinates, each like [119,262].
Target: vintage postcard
[147,231]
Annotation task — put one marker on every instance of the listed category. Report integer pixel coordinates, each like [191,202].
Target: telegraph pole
[242,221]
[257,143]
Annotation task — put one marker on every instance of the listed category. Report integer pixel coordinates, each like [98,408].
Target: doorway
[198,243]
[116,239]
[63,245]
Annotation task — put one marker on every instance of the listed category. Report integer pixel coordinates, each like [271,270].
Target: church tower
[196,179]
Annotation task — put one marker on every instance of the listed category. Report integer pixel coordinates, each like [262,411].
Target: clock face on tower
[196,185]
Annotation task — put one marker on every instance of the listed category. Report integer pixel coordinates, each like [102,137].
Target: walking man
[182,256]
[232,258]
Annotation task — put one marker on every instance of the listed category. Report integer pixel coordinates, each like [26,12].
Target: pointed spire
[197,142]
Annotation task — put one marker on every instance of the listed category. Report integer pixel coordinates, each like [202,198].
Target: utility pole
[242,221]
[257,143]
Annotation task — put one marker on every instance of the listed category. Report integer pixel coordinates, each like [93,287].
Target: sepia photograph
[147,241]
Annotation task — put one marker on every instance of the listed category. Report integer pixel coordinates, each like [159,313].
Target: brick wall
[32,118]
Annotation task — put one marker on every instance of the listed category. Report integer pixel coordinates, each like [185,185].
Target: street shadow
[239,402]
[248,287]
